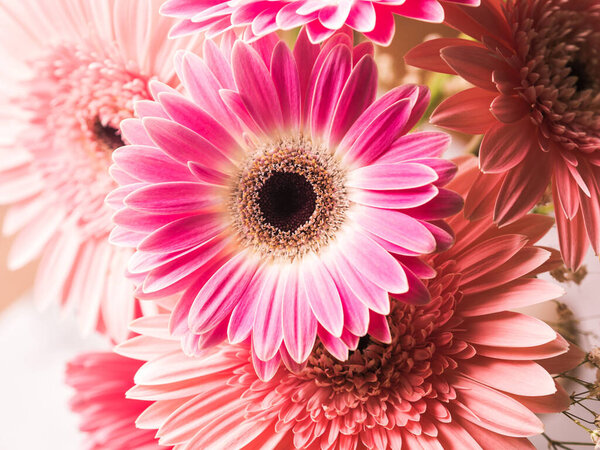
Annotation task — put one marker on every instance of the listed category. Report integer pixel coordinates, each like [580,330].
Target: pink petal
[516,294]
[149,164]
[267,332]
[507,329]
[505,146]
[299,323]
[496,411]
[358,93]
[466,112]
[183,233]
[392,176]
[474,64]
[522,188]
[183,145]
[516,377]
[396,227]
[256,87]
[221,293]
[414,146]
[287,83]
[322,295]
[327,88]
[171,198]
[375,263]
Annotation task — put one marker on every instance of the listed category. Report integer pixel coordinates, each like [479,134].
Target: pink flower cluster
[283,253]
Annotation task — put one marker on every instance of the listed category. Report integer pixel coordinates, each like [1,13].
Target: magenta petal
[182,144]
[375,263]
[356,313]
[376,138]
[396,227]
[417,293]
[256,87]
[171,198]
[149,164]
[328,87]
[358,93]
[287,83]
[183,233]
[392,176]
[196,119]
[406,198]
[267,332]
[379,328]
[425,144]
[323,296]
[221,293]
[334,345]
[357,286]
[299,323]
[266,370]
[242,317]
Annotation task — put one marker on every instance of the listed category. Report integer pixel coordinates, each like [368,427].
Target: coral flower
[374,18]
[280,196]
[83,65]
[108,418]
[536,99]
[461,372]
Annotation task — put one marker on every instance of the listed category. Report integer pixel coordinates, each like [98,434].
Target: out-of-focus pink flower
[108,418]
[81,65]
[281,196]
[462,372]
[535,65]
[374,18]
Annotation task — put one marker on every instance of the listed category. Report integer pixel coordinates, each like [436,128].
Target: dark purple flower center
[287,200]
[108,137]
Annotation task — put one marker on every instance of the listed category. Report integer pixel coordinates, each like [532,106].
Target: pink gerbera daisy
[280,196]
[108,418]
[461,372]
[535,66]
[374,18]
[82,64]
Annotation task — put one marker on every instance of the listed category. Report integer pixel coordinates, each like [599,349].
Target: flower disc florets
[289,199]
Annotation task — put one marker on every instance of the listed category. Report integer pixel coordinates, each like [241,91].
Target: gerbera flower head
[460,372]
[100,381]
[84,64]
[277,191]
[536,99]
[374,18]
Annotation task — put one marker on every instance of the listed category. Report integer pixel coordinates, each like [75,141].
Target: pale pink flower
[280,196]
[108,418]
[534,65]
[81,65]
[462,372]
[374,18]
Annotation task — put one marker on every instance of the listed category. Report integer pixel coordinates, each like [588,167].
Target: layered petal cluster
[108,418]
[278,191]
[462,372]
[534,65]
[81,65]
[374,18]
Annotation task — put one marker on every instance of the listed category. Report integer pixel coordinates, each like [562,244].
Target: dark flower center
[585,79]
[287,200]
[108,137]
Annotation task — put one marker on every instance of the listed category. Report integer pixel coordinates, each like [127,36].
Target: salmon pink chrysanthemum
[462,372]
[108,418]
[81,65]
[535,66]
[280,196]
[374,18]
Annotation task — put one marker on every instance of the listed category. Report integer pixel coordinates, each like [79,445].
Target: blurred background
[34,345]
